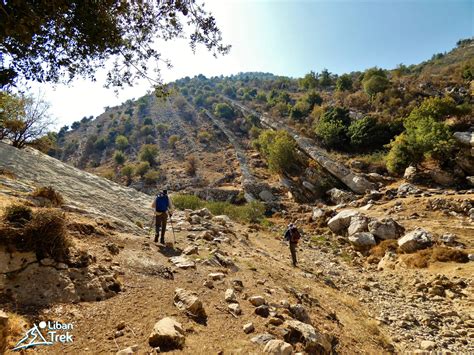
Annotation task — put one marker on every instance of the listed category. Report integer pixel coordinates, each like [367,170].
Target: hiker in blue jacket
[163,207]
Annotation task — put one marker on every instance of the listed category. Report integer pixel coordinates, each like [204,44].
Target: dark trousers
[293,252]
[161,219]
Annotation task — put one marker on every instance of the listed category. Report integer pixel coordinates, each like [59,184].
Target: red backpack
[294,235]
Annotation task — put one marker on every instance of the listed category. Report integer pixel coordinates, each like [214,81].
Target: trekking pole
[172,228]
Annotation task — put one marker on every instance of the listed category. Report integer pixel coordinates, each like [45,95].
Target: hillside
[336,301]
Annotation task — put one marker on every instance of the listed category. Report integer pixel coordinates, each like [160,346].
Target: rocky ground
[224,287]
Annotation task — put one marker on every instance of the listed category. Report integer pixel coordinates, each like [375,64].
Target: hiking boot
[162,241]
[156,239]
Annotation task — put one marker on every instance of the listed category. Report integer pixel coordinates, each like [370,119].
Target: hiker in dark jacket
[163,206]
[292,235]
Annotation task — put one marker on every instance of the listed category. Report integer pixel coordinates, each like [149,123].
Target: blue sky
[293,37]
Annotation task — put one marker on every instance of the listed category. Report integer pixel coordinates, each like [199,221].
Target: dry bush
[380,249]
[444,254]
[46,235]
[423,258]
[191,165]
[17,214]
[15,329]
[50,194]
[7,173]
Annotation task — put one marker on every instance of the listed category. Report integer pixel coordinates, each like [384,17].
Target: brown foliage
[50,194]
[423,258]
[380,249]
[191,165]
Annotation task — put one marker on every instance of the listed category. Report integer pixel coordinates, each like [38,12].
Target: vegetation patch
[424,258]
[252,212]
[49,194]
[18,214]
[42,231]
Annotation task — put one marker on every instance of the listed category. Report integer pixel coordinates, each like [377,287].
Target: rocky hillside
[388,272]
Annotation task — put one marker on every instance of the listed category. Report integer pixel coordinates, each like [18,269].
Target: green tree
[151,177]
[309,81]
[344,83]
[223,110]
[23,118]
[127,171]
[279,148]
[325,79]
[119,157]
[332,127]
[148,153]
[172,140]
[121,142]
[375,85]
[425,136]
[142,168]
[374,81]
[57,40]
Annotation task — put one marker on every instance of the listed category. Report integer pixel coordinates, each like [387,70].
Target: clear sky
[292,37]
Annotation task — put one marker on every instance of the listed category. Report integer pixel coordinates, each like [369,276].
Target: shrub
[142,168]
[161,128]
[50,194]
[46,235]
[252,212]
[172,141]
[204,136]
[17,214]
[119,157]
[332,127]
[375,85]
[279,148]
[191,165]
[148,153]
[344,82]
[367,133]
[121,142]
[183,202]
[151,177]
[423,137]
[223,110]
[5,172]
[127,171]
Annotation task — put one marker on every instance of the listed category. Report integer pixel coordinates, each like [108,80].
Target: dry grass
[380,249]
[46,234]
[50,194]
[7,173]
[191,165]
[16,327]
[17,214]
[424,258]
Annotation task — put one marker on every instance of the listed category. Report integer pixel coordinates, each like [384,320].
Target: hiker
[292,235]
[163,206]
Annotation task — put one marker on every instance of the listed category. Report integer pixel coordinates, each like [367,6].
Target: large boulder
[358,224]
[415,240]
[406,189]
[442,177]
[386,228]
[313,341]
[362,240]
[299,312]
[167,334]
[338,196]
[465,138]
[188,302]
[341,221]
[278,347]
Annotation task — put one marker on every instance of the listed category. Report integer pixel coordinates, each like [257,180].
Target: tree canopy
[58,40]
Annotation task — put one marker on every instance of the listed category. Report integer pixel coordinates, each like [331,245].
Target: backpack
[162,203]
[294,235]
